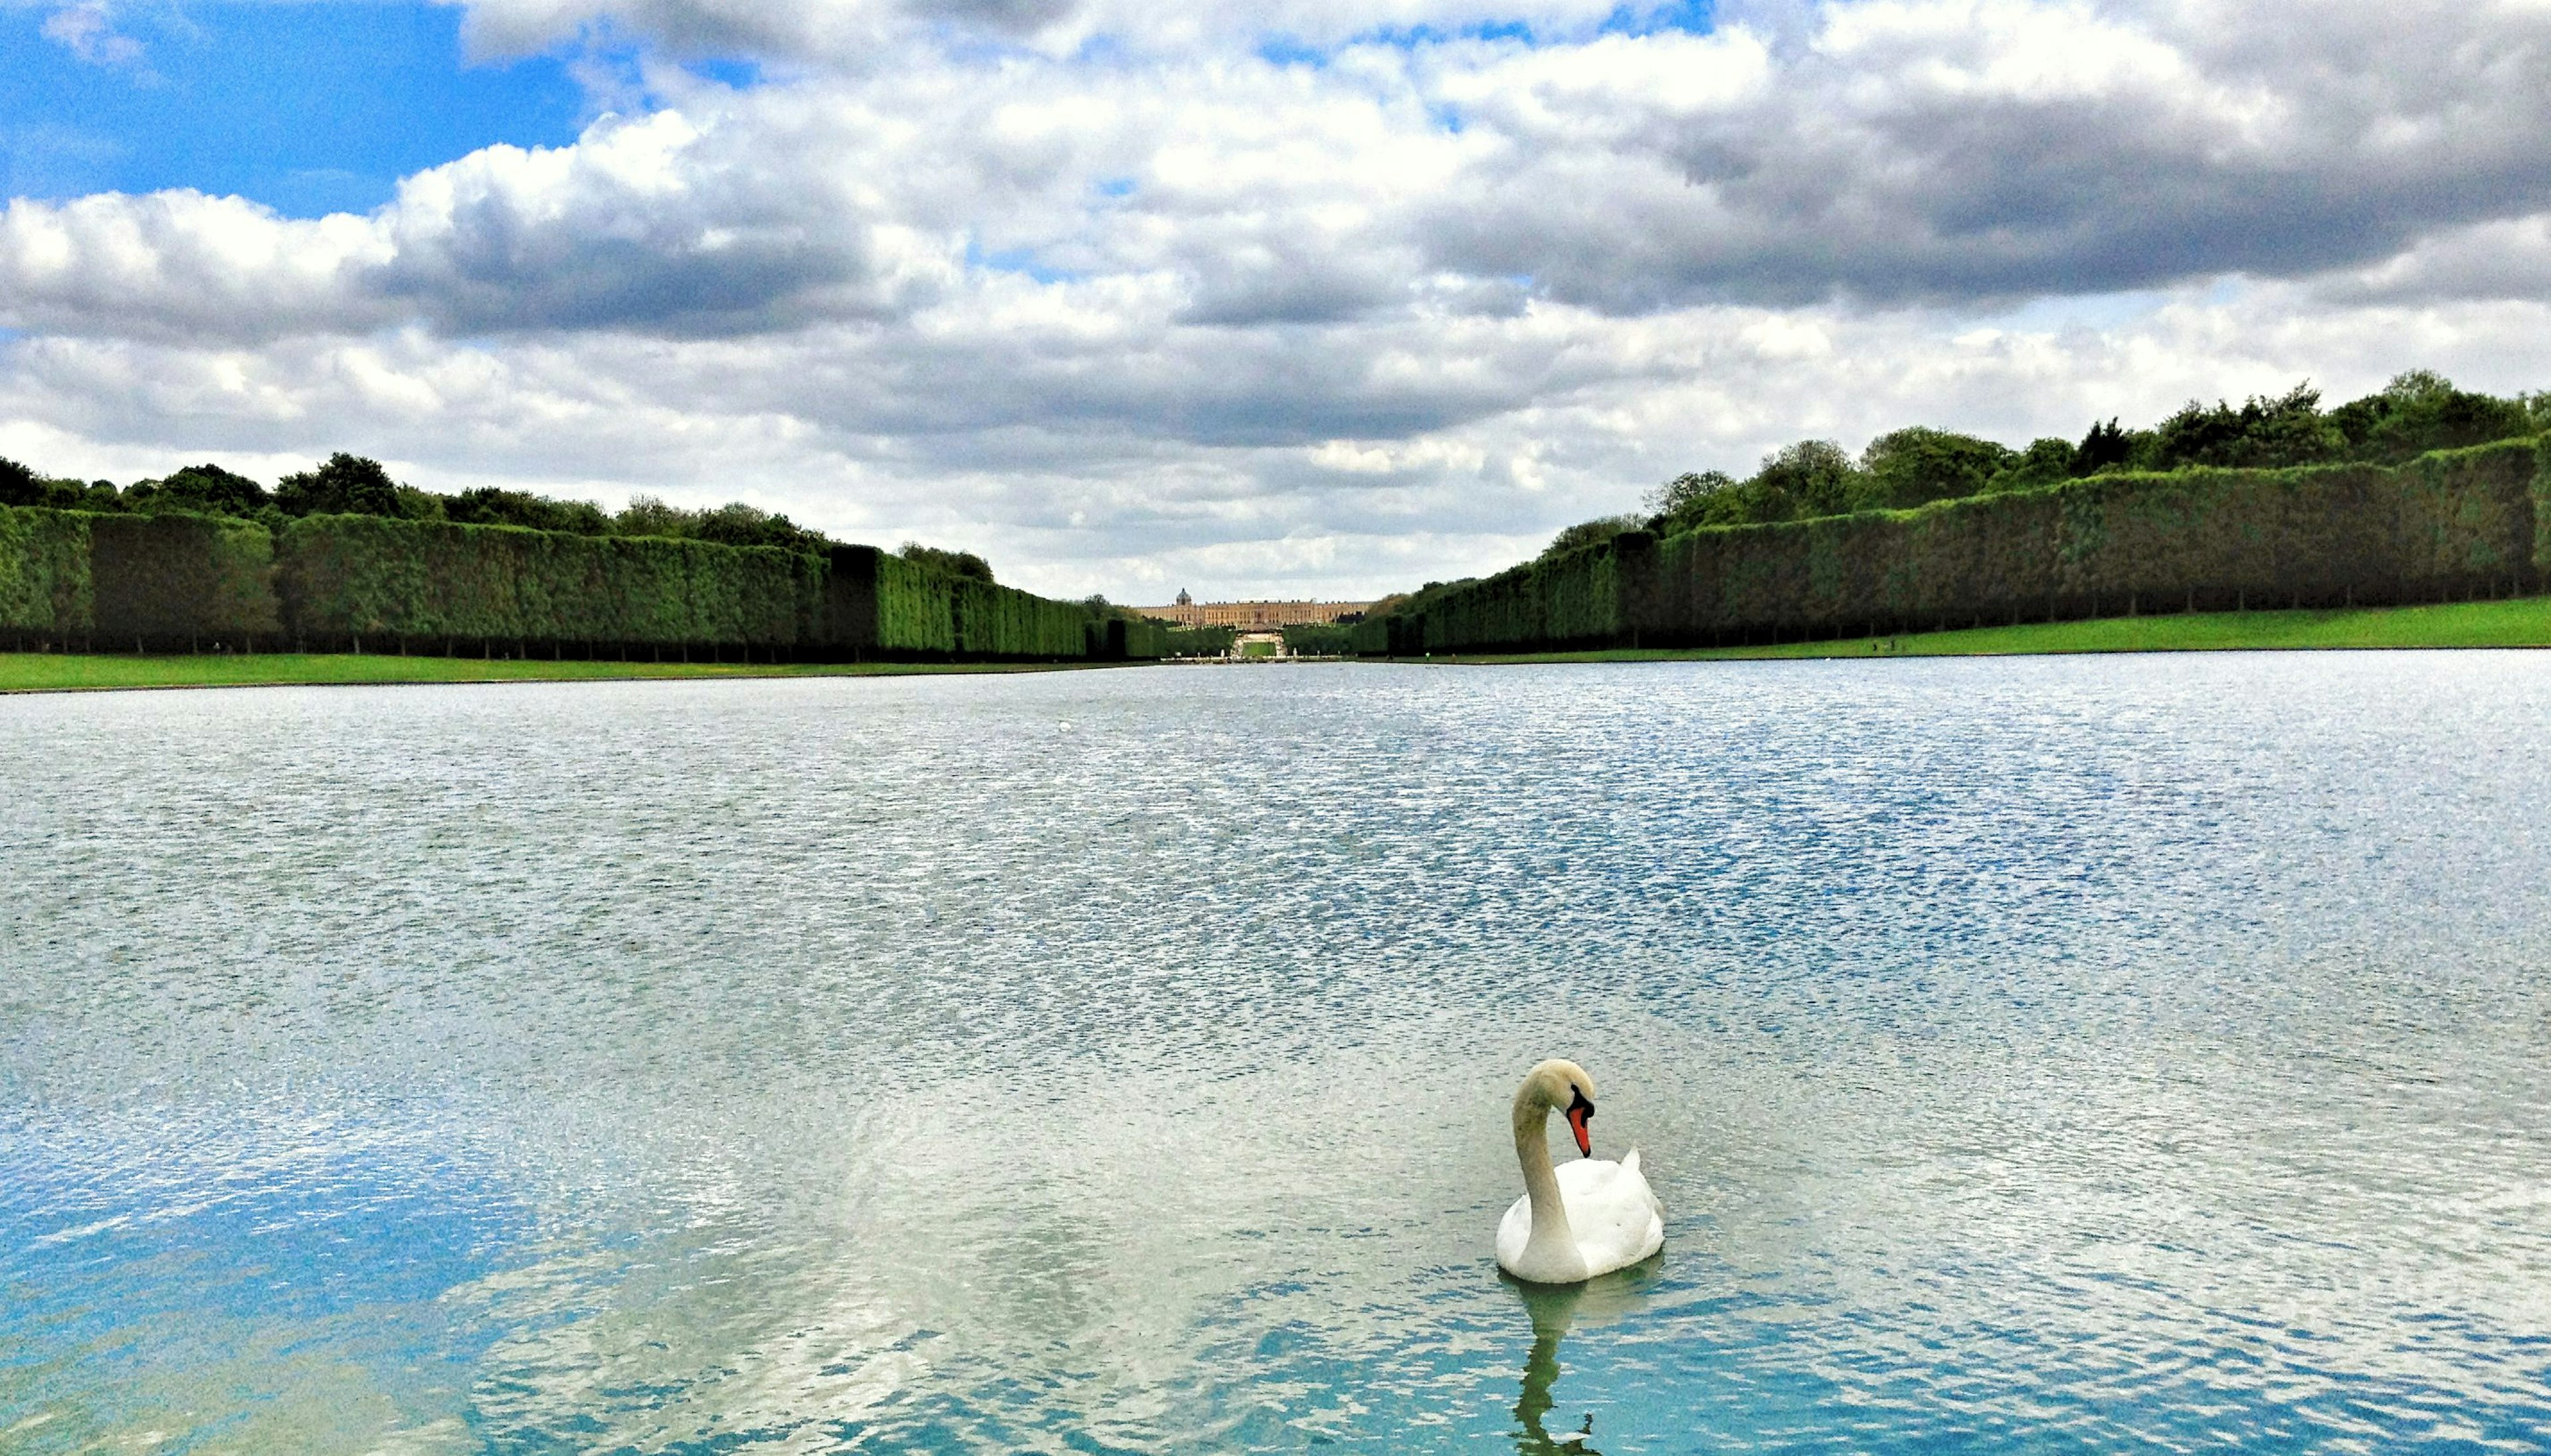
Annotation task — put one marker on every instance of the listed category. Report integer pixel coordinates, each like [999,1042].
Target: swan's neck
[1550,1230]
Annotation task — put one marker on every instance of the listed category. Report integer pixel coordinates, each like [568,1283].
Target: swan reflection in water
[1557,1308]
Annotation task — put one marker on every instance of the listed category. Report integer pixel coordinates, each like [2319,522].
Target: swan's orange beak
[1580,1113]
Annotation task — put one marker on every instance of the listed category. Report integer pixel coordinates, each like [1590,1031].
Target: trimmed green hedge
[916,608]
[1195,641]
[173,581]
[178,580]
[161,581]
[1004,622]
[1572,600]
[921,611]
[46,591]
[429,583]
[2448,525]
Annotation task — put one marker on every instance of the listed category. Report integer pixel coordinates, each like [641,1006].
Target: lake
[2093,1054]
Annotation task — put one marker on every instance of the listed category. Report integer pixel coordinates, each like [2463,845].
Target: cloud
[1979,150]
[847,33]
[180,264]
[1054,463]
[656,223]
[1936,151]
[2502,259]
[1119,292]
[87,31]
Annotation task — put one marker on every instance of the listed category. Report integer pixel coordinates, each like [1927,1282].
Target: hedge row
[69,578]
[435,586]
[2453,524]
[1192,642]
[45,584]
[352,582]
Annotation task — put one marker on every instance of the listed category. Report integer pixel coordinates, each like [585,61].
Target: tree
[953,563]
[2043,462]
[1683,495]
[738,524]
[1589,532]
[2421,410]
[2263,434]
[207,488]
[1909,466]
[2104,447]
[20,486]
[732,524]
[345,485]
[649,515]
[488,505]
[1812,477]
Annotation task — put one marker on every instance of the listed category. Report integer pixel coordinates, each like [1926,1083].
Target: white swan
[1588,1219]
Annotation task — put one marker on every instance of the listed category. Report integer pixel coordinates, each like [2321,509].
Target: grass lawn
[28,672]
[2525,622]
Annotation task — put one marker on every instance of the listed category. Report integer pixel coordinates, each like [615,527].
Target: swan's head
[1564,1087]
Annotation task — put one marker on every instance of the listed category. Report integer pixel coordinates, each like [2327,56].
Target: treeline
[2392,498]
[351,485]
[342,559]
[2417,412]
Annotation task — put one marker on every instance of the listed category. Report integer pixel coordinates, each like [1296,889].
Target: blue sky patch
[1020,261]
[309,109]
[1693,16]
[1696,17]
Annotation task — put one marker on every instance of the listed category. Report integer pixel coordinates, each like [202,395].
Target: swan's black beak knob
[1580,1113]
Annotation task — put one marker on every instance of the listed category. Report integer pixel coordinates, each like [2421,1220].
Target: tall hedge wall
[921,611]
[73,580]
[916,608]
[420,582]
[46,591]
[178,580]
[2452,524]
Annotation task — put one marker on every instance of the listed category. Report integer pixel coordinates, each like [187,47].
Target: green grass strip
[2521,622]
[81,671]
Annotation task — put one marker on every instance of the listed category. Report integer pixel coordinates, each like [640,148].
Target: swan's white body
[1584,1219]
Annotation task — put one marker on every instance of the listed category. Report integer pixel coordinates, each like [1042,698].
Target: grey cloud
[845,34]
[1191,385]
[1279,282]
[687,233]
[1903,152]
[755,27]
[1043,449]
[2507,259]
[655,226]
[183,265]
[1920,167]
[1009,17]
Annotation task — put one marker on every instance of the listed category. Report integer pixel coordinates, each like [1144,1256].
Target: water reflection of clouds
[882,1079]
[279,1264]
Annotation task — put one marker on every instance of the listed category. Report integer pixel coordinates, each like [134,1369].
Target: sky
[1290,298]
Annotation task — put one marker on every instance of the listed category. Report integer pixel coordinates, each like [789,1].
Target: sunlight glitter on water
[2094,1054]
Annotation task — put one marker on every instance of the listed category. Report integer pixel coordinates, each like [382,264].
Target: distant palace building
[1252,616]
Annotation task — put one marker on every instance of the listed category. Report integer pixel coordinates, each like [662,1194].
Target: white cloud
[87,31]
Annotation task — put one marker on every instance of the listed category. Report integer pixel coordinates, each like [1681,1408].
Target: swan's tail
[1630,1161]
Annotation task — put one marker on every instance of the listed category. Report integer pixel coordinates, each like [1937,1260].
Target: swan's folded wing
[1631,1164]
[1612,1211]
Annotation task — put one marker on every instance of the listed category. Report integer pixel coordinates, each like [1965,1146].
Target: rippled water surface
[2096,1054]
